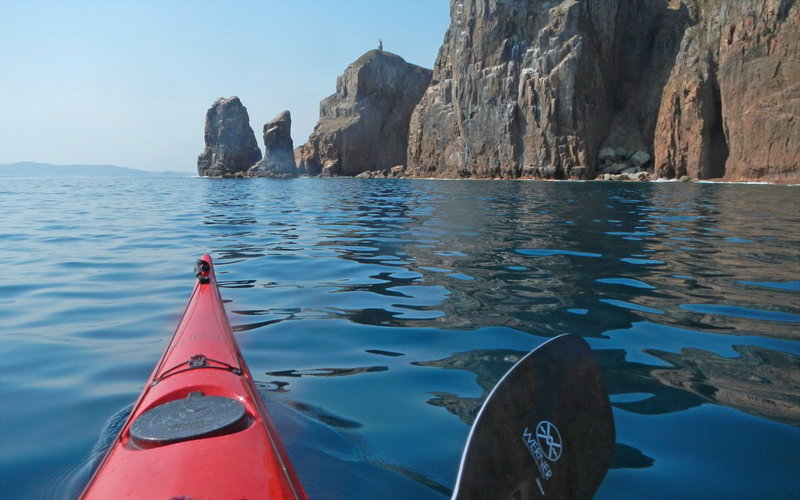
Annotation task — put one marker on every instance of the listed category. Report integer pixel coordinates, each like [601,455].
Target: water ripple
[379,313]
[742,312]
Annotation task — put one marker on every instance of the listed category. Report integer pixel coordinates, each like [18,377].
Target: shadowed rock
[278,158]
[731,105]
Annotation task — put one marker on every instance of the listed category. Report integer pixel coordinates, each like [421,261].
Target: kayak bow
[199,429]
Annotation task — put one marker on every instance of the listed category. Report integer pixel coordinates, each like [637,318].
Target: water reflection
[488,366]
[760,381]
[543,258]
[713,266]
[328,372]
[325,416]
[385,310]
[381,352]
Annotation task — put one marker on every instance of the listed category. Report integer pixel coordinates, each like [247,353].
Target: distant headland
[34,169]
[598,89]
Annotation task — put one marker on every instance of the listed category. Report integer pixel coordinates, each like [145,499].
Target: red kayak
[199,428]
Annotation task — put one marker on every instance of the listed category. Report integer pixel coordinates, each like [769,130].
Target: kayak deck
[199,428]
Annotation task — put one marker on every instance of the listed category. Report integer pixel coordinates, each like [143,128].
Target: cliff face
[537,89]
[231,146]
[519,88]
[730,108]
[364,125]
[278,161]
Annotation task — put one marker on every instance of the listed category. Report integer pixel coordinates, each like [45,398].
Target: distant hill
[33,169]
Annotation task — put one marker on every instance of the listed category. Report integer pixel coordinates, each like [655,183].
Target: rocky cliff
[364,125]
[731,105]
[708,88]
[231,146]
[278,161]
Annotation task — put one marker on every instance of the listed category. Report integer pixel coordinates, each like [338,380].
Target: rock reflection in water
[381,352]
[328,372]
[489,366]
[760,381]
[325,416]
[712,266]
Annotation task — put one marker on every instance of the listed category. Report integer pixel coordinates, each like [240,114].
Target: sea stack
[278,161]
[231,146]
[364,125]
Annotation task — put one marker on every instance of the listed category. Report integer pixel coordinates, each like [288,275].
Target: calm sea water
[376,314]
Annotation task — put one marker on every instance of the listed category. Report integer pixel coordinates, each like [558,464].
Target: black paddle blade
[546,429]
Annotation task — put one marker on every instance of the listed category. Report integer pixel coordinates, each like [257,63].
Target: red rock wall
[730,109]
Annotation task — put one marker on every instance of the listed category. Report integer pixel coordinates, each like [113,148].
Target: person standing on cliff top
[380,45]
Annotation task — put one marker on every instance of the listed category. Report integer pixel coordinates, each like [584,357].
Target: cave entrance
[718,144]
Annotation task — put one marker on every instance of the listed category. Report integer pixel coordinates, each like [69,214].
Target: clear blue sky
[128,82]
